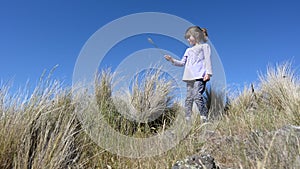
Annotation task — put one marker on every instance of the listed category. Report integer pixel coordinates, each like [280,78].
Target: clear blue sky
[248,35]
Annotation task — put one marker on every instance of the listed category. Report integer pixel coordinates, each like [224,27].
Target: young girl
[197,71]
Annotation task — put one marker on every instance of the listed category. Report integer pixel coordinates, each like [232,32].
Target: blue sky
[248,35]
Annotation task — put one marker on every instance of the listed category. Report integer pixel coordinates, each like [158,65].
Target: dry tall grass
[39,131]
[42,131]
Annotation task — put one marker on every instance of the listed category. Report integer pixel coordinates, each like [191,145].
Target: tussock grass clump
[143,110]
[280,88]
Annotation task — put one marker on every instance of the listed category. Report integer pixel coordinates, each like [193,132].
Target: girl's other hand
[206,77]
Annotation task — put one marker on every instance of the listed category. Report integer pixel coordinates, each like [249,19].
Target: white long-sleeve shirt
[197,61]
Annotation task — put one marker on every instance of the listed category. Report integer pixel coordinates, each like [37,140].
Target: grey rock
[196,161]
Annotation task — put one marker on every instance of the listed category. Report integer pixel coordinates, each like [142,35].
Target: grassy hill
[258,129]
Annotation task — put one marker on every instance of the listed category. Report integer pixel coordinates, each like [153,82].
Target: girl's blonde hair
[200,34]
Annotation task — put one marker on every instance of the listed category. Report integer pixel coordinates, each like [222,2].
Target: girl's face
[192,40]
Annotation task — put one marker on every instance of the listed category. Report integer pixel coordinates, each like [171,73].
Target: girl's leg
[189,99]
[199,99]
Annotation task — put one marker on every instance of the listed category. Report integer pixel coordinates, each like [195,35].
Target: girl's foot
[203,119]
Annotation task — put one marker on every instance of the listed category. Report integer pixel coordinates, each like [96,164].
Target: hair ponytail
[204,30]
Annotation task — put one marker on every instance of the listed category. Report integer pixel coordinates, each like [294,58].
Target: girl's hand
[168,58]
[206,77]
